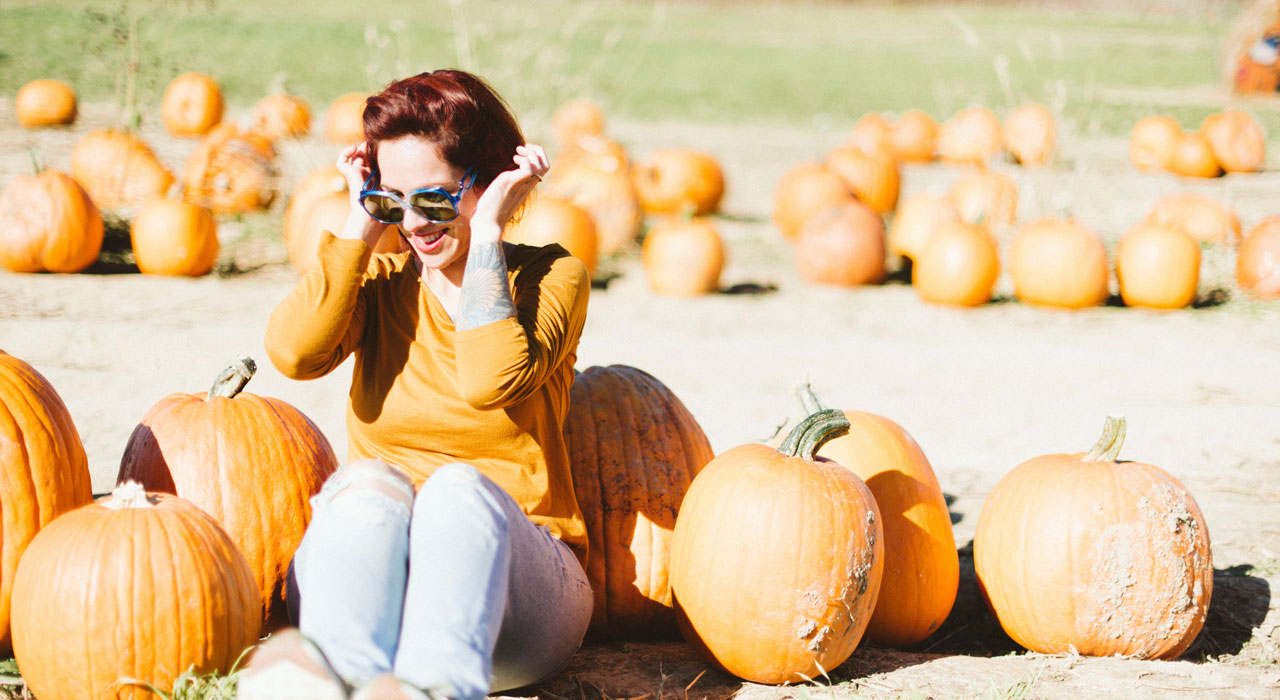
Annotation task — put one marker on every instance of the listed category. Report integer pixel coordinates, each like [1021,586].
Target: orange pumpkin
[1258,260]
[281,116]
[777,558]
[602,185]
[633,450]
[914,137]
[872,176]
[1193,156]
[118,169]
[192,105]
[1205,218]
[804,190]
[43,467]
[1158,267]
[1151,142]
[230,171]
[842,246]
[577,118]
[985,196]
[344,120]
[548,220]
[917,217]
[958,266]
[329,212]
[673,180]
[251,462]
[136,586]
[1030,134]
[872,132]
[173,237]
[683,258]
[1237,141]
[972,135]
[48,223]
[45,103]
[1059,263]
[1082,554]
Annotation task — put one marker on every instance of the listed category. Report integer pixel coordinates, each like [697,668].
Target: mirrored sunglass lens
[383,208]
[435,206]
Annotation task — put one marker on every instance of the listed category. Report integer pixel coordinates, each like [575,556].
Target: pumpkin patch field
[933,351]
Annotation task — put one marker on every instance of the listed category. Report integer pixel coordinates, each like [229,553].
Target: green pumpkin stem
[1107,449]
[37,163]
[806,438]
[809,403]
[231,381]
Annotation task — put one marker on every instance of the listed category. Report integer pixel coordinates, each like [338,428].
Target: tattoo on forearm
[486,293]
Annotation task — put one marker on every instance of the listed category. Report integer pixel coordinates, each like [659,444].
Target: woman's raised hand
[507,192]
[353,163]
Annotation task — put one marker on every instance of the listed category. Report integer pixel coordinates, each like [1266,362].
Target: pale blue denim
[466,595]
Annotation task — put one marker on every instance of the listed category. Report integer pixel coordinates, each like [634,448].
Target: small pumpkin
[683,258]
[1031,134]
[320,202]
[576,118]
[1193,156]
[972,135]
[43,467]
[251,462]
[280,116]
[344,120]
[804,190]
[48,222]
[1237,141]
[1083,554]
[918,215]
[1151,142]
[173,237]
[548,220]
[1158,267]
[230,171]
[136,586]
[958,266]
[1205,218]
[1258,260]
[872,132]
[604,188]
[913,137]
[1059,263]
[872,176]
[671,180]
[118,169]
[985,196]
[45,102]
[843,246]
[777,558]
[192,105]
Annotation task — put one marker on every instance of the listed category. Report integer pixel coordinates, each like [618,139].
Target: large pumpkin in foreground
[251,462]
[777,557]
[42,465]
[137,585]
[633,450]
[1079,553]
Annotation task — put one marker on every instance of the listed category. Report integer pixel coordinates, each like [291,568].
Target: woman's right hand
[354,166]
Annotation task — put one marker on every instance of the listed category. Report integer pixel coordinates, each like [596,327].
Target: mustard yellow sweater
[424,394]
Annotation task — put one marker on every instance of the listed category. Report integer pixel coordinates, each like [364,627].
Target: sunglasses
[434,204]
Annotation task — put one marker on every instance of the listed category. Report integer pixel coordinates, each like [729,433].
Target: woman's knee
[458,485]
[368,480]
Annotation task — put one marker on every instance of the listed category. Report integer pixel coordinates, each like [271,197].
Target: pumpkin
[1158,267]
[633,450]
[777,558]
[1193,156]
[1151,142]
[1258,260]
[281,116]
[1079,553]
[1059,263]
[972,135]
[683,258]
[48,223]
[872,176]
[913,137]
[330,213]
[192,105]
[922,567]
[958,266]
[136,586]
[603,187]
[173,237]
[45,103]
[344,120]
[872,132]
[1237,141]
[43,467]
[672,180]
[1205,218]
[804,190]
[251,462]
[917,217]
[985,196]
[577,118]
[1030,134]
[118,169]
[842,246]
[548,220]
[230,171]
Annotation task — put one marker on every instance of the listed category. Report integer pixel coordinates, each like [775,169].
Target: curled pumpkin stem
[805,439]
[232,380]
[1107,449]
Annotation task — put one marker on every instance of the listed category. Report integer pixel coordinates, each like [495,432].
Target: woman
[446,558]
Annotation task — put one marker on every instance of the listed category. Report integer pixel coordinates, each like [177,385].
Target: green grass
[790,63]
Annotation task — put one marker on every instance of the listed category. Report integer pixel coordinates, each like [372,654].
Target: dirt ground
[981,390]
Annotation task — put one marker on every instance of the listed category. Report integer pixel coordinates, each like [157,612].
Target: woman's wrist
[485,233]
[360,226]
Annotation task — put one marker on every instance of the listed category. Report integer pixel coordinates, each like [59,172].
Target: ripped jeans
[453,589]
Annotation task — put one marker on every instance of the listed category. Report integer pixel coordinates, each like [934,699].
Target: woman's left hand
[507,192]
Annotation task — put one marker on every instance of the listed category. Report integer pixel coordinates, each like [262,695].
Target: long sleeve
[321,321]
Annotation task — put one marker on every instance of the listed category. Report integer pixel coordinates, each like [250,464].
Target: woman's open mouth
[427,241]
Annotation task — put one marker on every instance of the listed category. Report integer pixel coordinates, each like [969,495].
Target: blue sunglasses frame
[405,202]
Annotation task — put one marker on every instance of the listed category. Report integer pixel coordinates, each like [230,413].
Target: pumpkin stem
[130,494]
[231,380]
[37,163]
[805,439]
[1107,449]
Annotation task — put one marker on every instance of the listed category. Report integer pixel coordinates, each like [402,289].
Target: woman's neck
[445,284]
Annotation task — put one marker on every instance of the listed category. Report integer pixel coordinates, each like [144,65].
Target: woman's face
[411,163]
